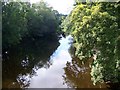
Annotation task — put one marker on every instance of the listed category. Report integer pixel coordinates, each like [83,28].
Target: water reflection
[52,77]
[46,64]
[77,74]
[21,62]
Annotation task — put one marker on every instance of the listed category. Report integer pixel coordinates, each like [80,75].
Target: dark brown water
[45,65]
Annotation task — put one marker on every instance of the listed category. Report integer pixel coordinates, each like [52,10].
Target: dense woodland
[94,26]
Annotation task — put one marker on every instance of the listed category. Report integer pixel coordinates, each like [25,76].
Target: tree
[22,19]
[95,28]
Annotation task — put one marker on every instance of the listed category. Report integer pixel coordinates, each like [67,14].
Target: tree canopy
[22,19]
[95,28]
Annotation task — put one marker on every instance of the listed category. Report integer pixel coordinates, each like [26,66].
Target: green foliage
[42,20]
[22,19]
[95,28]
[13,22]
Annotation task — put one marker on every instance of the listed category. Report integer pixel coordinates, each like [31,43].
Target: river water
[46,66]
[52,77]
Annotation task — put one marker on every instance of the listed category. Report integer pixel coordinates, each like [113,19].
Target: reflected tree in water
[21,62]
[77,74]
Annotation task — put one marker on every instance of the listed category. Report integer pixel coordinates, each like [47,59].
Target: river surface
[52,77]
[48,66]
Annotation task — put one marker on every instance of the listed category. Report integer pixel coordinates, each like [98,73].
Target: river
[48,66]
[52,77]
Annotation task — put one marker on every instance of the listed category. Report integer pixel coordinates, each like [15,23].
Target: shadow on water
[24,59]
